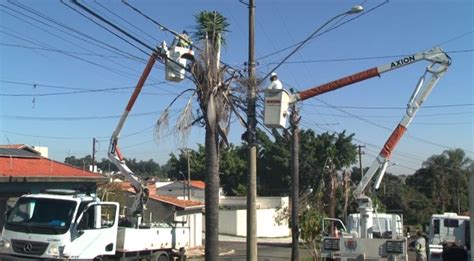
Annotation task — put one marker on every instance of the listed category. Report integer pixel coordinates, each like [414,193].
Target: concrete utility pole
[93,154]
[189,175]
[295,159]
[360,160]
[252,132]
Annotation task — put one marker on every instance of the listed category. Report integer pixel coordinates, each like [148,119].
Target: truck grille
[29,247]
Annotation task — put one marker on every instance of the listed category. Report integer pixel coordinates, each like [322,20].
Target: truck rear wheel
[161,257]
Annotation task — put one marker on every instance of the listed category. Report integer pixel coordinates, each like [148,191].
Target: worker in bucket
[420,247]
[183,40]
[275,84]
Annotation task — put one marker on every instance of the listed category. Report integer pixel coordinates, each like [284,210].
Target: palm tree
[215,107]
[450,171]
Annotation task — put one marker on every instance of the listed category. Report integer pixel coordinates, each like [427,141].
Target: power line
[386,128]
[391,108]
[365,58]
[121,18]
[455,38]
[85,90]
[93,41]
[105,28]
[94,14]
[57,50]
[162,27]
[326,31]
[398,116]
[60,37]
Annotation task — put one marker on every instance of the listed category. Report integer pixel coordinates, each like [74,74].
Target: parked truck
[63,224]
[448,237]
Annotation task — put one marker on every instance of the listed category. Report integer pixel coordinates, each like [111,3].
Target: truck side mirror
[8,211]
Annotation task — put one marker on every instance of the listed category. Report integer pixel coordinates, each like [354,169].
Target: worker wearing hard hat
[184,40]
[275,84]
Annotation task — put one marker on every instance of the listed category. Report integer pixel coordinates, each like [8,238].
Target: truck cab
[59,224]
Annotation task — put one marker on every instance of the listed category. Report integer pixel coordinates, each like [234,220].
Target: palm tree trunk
[212,194]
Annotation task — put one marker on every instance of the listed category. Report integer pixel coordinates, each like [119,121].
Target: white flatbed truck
[67,225]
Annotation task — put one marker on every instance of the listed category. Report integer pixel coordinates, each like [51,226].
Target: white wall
[233,217]
[194,222]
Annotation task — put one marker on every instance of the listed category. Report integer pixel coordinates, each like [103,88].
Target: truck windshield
[41,216]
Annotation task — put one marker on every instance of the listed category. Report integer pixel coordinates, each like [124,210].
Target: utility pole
[189,175]
[93,154]
[295,148]
[360,160]
[252,132]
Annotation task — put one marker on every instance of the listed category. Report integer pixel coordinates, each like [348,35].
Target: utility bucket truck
[361,242]
[67,225]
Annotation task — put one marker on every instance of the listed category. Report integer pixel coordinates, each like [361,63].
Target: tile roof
[177,202]
[198,184]
[180,203]
[17,166]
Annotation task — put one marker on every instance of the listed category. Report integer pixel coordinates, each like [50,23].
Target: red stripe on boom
[397,134]
[140,83]
[331,86]
[119,154]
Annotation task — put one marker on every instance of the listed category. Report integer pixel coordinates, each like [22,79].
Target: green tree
[273,166]
[311,231]
[179,164]
[444,179]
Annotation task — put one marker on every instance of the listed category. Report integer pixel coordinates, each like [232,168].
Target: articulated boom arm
[436,70]
[440,62]
[114,153]
[434,55]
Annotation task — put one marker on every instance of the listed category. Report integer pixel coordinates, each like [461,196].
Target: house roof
[17,164]
[19,147]
[13,146]
[179,203]
[198,184]
[194,183]
[183,204]
[7,152]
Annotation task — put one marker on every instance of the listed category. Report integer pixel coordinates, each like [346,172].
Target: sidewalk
[230,238]
[198,252]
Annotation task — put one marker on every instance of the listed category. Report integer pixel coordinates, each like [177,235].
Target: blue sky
[57,113]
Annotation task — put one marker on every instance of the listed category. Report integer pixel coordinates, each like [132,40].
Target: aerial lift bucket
[276,108]
[175,69]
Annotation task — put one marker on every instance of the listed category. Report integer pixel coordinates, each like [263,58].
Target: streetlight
[184,185]
[294,122]
[188,170]
[354,10]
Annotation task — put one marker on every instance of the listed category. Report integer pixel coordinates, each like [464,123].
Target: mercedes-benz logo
[27,247]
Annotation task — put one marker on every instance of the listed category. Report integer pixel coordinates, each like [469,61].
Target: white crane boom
[114,153]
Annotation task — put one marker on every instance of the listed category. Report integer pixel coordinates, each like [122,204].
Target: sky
[65,80]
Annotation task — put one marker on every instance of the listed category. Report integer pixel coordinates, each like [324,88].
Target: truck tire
[162,257]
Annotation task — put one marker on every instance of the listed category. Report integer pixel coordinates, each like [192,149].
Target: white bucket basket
[276,108]
[173,71]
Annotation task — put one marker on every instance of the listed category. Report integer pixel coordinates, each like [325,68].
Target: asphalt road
[234,251]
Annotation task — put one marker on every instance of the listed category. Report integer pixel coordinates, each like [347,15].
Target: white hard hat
[273,74]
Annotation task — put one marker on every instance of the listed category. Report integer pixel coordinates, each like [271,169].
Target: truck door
[95,231]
